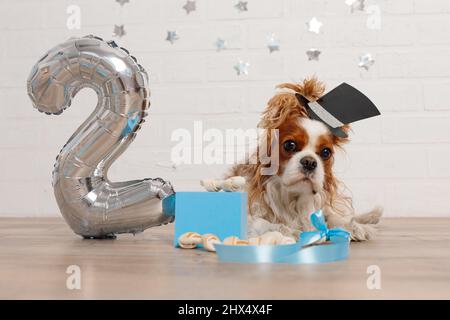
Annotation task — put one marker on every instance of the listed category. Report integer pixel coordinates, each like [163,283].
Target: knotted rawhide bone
[274,238]
[232,184]
[209,240]
[235,241]
[189,240]
[270,238]
[211,185]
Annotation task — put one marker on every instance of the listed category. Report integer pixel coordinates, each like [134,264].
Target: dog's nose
[308,163]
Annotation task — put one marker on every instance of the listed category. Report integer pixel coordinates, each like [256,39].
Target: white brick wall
[399,160]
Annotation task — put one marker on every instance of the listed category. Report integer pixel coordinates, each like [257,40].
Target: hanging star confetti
[189,6]
[220,44]
[241,6]
[356,5]
[119,31]
[241,67]
[366,61]
[313,54]
[314,25]
[122,2]
[172,36]
[272,43]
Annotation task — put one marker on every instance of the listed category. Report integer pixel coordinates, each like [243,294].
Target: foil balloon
[92,205]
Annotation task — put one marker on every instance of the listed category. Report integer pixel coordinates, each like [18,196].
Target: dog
[304,181]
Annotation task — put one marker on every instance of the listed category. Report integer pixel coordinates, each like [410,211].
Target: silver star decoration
[189,6]
[241,67]
[272,43]
[172,36]
[221,44]
[313,54]
[314,25]
[119,31]
[356,5]
[366,61]
[241,6]
[122,2]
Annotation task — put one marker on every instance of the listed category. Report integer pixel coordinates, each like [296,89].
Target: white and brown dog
[304,181]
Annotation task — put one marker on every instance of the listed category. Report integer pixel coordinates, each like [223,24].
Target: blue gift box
[221,213]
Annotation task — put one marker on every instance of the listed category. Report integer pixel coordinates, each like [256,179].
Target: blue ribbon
[334,235]
[305,251]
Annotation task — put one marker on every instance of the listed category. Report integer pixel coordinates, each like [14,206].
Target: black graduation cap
[342,105]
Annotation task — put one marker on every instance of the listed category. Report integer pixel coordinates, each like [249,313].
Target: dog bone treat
[209,240]
[235,241]
[275,237]
[242,243]
[211,185]
[233,184]
[270,239]
[189,240]
[255,241]
[230,240]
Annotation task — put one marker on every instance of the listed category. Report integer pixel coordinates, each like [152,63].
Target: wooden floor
[413,255]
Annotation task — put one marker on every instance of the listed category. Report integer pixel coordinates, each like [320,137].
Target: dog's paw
[361,232]
[288,232]
[371,217]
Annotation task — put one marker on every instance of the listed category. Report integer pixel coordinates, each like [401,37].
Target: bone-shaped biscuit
[189,240]
[209,240]
[232,184]
[235,241]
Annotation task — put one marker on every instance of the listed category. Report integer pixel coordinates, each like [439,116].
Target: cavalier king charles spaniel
[304,181]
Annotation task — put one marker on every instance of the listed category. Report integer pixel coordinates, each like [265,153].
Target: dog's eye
[325,153]
[290,146]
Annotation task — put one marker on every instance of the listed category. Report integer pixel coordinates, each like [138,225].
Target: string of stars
[273,44]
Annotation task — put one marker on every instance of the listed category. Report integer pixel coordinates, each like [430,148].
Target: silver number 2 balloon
[93,206]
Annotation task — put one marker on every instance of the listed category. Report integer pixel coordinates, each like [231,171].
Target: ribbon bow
[335,235]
